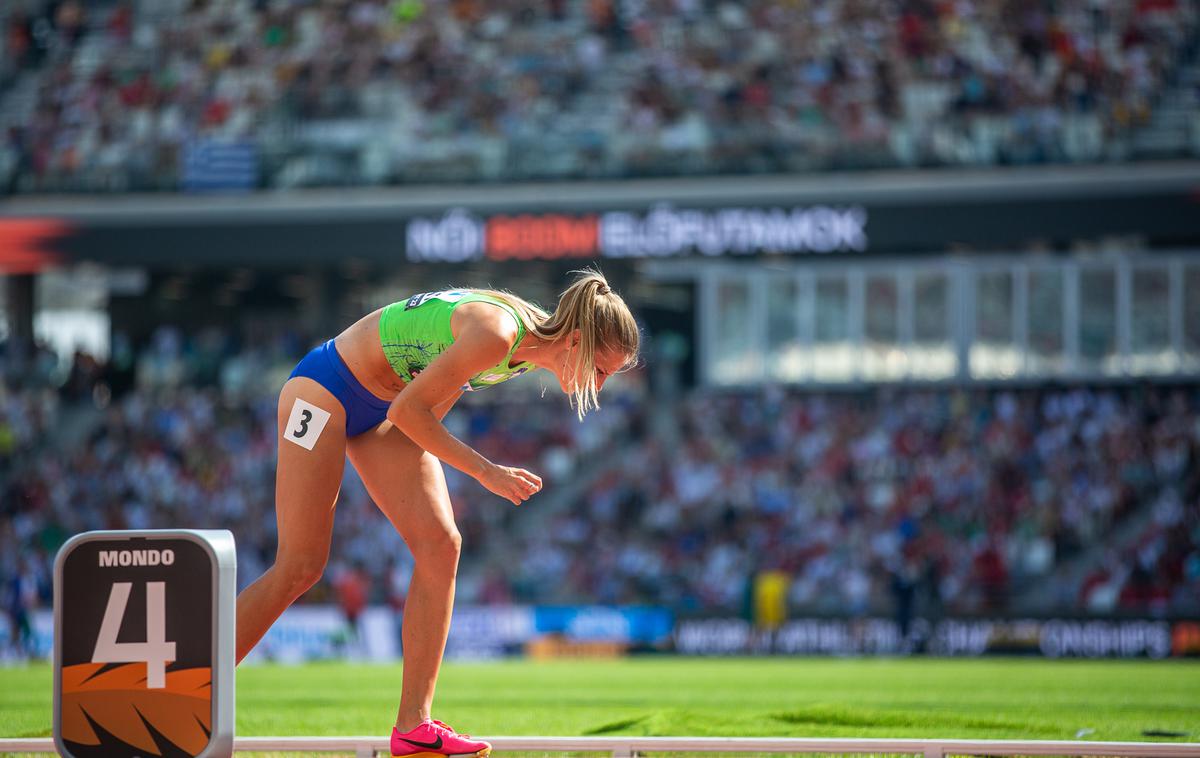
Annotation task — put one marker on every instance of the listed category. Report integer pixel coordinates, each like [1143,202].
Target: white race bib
[305,424]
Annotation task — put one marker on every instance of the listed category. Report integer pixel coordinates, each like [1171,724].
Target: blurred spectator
[351,584]
[20,599]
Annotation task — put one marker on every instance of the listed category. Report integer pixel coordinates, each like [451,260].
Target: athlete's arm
[482,344]
[442,408]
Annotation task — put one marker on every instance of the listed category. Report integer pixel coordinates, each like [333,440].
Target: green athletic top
[415,331]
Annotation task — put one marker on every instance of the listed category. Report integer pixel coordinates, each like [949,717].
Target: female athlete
[377,393]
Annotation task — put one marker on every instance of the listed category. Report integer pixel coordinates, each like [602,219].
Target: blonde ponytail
[604,322]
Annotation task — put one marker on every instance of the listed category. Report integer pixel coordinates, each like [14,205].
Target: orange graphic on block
[119,702]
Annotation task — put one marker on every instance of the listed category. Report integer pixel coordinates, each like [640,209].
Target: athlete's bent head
[591,335]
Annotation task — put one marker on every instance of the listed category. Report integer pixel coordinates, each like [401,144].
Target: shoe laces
[450,729]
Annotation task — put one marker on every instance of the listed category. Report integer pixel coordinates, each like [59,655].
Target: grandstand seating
[171,94]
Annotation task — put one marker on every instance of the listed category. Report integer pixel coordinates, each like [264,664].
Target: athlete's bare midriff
[360,348]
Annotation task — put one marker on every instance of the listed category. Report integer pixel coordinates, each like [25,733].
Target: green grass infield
[989,698]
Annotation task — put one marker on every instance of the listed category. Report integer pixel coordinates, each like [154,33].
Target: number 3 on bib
[156,651]
[305,423]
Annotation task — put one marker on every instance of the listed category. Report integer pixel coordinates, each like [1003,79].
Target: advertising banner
[1052,638]
[632,221]
[663,231]
[320,632]
[316,632]
[597,623]
[489,631]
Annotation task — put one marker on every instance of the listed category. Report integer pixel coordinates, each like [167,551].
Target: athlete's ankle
[409,720]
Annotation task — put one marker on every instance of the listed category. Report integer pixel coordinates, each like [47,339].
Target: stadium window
[833,350]
[993,353]
[882,357]
[1097,320]
[785,351]
[734,360]
[1191,315]
[1045,353]
[931,355]
[1150,322]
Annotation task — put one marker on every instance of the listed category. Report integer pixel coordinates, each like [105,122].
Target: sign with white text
[143,644]
[663,231]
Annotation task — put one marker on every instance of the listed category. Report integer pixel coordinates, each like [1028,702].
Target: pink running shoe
[433,739]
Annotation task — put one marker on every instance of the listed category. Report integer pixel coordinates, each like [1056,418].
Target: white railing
[628,747]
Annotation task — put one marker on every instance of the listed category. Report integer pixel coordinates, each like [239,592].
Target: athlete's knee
[439,549]
[299,573]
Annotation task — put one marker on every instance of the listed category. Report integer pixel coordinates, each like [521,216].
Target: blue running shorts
[323,365]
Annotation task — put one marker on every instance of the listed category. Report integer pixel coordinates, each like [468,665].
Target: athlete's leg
[409,486]
[306,489]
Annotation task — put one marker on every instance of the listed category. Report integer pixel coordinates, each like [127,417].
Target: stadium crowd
[964,497]
[959,499]
[132,94]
